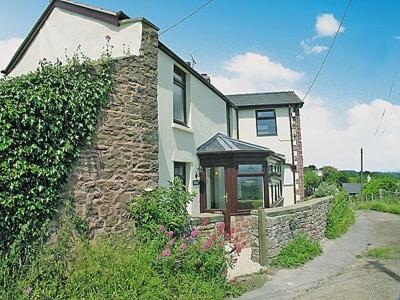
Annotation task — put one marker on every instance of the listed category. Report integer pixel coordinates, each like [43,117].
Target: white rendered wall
[281,143]
[64,31]
[206,117]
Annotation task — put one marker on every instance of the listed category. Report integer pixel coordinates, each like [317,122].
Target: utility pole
[362,173]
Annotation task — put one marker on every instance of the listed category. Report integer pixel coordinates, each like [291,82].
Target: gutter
[291,145]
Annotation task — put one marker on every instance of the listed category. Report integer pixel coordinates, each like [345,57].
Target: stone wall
[298,155]
[207,224]
[277,226]
[241,229]
[122,160]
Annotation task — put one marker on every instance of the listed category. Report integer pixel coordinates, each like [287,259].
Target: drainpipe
[291,144]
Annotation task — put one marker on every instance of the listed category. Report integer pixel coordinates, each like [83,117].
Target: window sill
[182,127]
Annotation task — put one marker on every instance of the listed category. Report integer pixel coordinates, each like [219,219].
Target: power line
[384,109]
[185,18]
[329,51]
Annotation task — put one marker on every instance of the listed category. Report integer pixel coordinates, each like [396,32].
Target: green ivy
[46,117]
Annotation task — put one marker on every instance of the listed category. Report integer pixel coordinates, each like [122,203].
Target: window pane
[250,169]
[265,127]
[215,187]
[266,114]
[250,192]
[179,110]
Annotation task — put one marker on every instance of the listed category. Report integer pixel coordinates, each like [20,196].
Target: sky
[271,45]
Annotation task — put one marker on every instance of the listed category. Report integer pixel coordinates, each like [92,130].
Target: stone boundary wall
[276,227]
[207,230]
[241,229]
[122,159]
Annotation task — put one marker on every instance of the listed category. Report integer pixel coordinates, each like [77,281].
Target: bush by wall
[297,252]
[325,189]
[163,206]
[154,265]
[340,216]
[46,117]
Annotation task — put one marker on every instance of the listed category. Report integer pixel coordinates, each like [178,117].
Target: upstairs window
[266,122]
[179,105]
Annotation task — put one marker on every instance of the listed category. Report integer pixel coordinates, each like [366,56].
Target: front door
[215,188]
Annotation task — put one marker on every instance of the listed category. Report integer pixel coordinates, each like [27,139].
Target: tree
[385,183]
[311,181]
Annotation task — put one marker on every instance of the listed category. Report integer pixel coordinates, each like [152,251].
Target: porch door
[215,188]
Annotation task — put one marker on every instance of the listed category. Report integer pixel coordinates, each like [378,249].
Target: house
[166,120]
[352,189]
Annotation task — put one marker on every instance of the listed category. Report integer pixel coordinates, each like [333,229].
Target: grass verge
[297,252]
[383,252]
[382,206]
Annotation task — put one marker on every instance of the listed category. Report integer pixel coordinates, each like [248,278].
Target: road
[343,271]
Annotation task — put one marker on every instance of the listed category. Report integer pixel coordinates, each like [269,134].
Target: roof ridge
[259,93]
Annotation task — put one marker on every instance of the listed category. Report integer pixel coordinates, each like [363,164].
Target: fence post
[380,194]
[262,238]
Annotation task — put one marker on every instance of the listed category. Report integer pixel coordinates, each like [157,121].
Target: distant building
[352,188]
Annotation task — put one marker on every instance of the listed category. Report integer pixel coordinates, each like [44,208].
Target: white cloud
[397,37]
[327,25]
[252,72]
[331,138]
[312,49]
[7,50]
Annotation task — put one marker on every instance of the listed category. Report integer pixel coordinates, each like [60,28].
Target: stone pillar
[298,156]
[122,159]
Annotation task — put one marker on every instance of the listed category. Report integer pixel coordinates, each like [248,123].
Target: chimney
[206,77]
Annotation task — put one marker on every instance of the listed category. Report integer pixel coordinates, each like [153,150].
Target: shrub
[340,216]
[297,252]
[166,206]
[46,117]
[325,189]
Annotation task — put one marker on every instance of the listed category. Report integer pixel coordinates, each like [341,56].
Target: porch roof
[221,143]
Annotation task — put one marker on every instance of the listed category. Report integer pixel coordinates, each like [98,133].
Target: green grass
[340,216]
[382,206]
[297,252]
[383,252]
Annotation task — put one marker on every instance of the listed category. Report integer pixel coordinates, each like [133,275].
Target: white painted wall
[281,143]
[64,31]
[206,117]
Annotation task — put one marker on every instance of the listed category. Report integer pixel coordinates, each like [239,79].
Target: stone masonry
[276,227]
[298,155]
[241,229]
[122,159]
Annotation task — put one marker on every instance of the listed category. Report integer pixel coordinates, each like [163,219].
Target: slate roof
[221,143]
[352,188]
[266,99]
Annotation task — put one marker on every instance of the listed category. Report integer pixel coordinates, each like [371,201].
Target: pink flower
[27,290]
[206,222]
[207,244]
[194,233]
[170,233]
[162,228]
[171,242]
[213,237]
[238,249]
[183,246]
[166,253]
